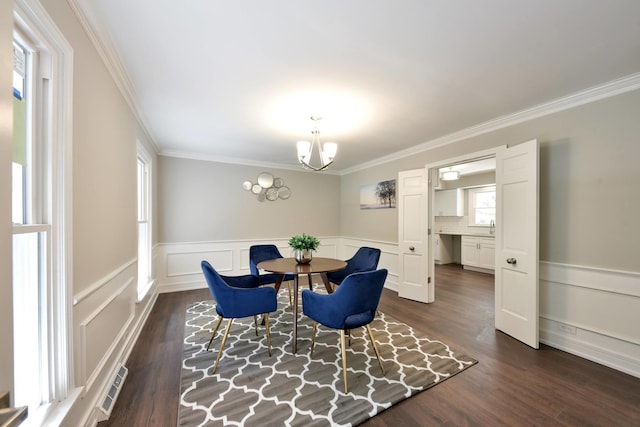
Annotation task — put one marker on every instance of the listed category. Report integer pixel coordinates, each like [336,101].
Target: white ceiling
[238,80]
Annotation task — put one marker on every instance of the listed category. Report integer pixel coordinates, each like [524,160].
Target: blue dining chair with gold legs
[238,297]
[365,259]
[351,306]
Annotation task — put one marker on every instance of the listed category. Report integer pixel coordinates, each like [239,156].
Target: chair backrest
[220,290]
[246,299]
[356,299]
[365,259]
[259,253]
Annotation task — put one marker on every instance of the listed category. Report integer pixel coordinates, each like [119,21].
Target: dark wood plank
[511,385]
[151,390]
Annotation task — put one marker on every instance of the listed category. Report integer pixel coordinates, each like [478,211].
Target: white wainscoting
[593,313]
[102,313]
[388,256]
[107,321]
[179,263]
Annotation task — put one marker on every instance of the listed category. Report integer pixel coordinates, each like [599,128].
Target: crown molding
[596,93]
[110,57]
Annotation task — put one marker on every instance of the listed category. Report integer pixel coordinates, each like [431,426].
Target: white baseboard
[580,345]
[182,286]
[479,269]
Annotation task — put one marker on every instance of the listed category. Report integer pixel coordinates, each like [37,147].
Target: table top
[291,266]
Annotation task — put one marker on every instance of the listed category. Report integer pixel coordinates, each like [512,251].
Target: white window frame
[472,204]
[32,20]
[144,221]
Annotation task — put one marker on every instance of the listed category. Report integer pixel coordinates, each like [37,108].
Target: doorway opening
[462,217]
[508,245]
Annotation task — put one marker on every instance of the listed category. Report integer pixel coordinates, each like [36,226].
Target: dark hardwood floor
[511,385]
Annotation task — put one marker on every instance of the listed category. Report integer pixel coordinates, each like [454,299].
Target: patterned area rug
[252,389]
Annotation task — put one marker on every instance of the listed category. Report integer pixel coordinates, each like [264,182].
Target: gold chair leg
[344,359]
[375,348]
[224,340]
[255,322]
[214,332]
[266,322]
[313,336]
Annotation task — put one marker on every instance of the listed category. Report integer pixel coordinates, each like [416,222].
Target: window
[482,206]
[144,222]
[32,229]
[41,205]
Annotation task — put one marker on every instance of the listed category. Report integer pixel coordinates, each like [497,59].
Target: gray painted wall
[204,201]
[589,177]
[105,132]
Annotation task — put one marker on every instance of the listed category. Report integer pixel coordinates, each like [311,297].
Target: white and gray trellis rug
[252,389]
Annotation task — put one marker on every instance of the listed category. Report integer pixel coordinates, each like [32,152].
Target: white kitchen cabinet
[449,202]
[443,248]
[470,251]
[478,252]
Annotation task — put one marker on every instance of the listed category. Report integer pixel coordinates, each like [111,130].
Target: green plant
[304,242]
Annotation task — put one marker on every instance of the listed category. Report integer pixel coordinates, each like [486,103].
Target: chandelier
[326,152]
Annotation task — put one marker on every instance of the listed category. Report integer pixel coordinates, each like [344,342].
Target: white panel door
[516,263]
[412,236]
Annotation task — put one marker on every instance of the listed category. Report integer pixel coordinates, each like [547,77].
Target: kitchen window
[482,206]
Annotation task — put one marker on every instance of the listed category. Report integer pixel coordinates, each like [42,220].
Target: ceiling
[237,81]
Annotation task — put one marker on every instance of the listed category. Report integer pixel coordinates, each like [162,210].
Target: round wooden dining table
[282,266]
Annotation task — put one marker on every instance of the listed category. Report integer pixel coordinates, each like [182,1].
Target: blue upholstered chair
[238,297]
[351,306]
[259,253]
[365,259]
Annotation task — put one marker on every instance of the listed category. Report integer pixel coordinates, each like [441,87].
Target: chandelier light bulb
[326,152]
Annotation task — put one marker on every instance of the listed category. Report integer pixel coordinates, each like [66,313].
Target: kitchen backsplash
[457,225]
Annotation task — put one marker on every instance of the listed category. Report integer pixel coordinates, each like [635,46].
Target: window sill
[53,414]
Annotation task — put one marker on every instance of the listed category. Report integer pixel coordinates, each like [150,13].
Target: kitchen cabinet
[449,202]
[443,248]
[478,252]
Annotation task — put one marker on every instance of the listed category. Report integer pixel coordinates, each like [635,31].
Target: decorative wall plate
[272,194]
[265,179]
[284,193]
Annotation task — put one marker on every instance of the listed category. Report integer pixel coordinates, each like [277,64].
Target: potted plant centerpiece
[303,245]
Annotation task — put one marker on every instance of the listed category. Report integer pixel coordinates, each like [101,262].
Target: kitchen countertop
[453,233]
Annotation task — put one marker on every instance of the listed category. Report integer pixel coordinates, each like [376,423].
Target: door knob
[411,248]
[512,261]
